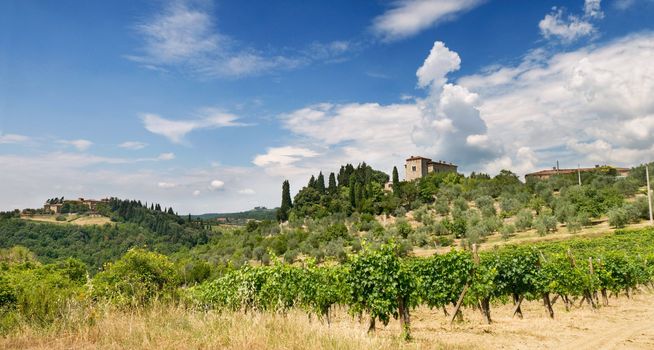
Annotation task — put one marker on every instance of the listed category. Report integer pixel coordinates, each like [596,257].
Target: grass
[174,327]
[70,219]
[624,323]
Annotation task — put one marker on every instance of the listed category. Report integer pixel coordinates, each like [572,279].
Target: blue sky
[208,105]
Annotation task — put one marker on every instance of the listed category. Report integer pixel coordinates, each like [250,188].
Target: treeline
[353,189]
[134,225]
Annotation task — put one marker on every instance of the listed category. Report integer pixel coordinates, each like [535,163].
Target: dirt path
[624,324]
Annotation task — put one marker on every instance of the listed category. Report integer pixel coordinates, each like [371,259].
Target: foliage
[136,279]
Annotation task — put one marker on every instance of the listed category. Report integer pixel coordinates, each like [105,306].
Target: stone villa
[417,167]
[55,207]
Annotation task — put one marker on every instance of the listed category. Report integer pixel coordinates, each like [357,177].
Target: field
[624,324]
[70,219]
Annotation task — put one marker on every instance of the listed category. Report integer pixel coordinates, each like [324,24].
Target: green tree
[332,189]
[396,182]
[287,204]
[320,183]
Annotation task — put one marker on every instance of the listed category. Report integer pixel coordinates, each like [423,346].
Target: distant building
[546,174]
[55,206]
[417,167]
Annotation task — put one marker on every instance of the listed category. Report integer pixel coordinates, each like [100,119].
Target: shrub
[442,206]
[618,217]
[460,204]
[545,223]
[40,294]
[61,218]
[137,279]
[486,205]
[403,228]
[507,231]
[524,220]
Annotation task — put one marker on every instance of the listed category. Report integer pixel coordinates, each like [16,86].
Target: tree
[287,204]
[332,189]
[352,191]
[396,182]
[320,183]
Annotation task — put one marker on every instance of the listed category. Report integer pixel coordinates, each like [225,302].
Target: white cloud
[283,156]
[435,68]
[589,105]
[216,185]
[166,185]
[439,125]
[27,180]
[247,191]
[12,138]
[592,9]
[80,145]
[185,36]
[196,193]
[567,29]
[176,130]
[166,156]
[133,145]
[409,17]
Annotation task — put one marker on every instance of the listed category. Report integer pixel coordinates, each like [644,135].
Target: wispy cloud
[409,17]
[13,138]
[176,130]
[185,36]
[133,145]
[80,144]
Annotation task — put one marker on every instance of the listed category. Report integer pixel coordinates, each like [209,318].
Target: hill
[258,213]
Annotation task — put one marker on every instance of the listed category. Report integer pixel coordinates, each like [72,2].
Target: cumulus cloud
[184,35]
[12,138]
[216,185]
[451,126]
[589,105]
[444,124]
[133,145]
[409,17]
[80,144]
[176,130]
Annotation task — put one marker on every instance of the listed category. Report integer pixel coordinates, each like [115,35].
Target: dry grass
[70,219]
[625,323]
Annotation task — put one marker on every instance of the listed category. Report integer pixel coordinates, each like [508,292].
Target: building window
[413,168]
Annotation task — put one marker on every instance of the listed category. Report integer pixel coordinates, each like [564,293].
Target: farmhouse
[56,205]
[417,167]
[546,174]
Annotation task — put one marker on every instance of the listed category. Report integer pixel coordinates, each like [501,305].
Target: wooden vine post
[459,302]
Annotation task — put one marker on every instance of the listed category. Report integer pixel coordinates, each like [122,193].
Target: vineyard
[380,284]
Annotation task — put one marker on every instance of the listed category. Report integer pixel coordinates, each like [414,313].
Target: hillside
[259,213]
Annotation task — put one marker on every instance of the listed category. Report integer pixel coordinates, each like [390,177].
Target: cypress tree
[396,181]
[352,189]
[332,184]
[312,182]
[320,183]
[287,204]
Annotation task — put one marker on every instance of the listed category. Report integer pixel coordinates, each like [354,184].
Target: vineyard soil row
[624,324]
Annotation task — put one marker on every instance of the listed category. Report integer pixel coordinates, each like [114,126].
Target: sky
[207,106]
